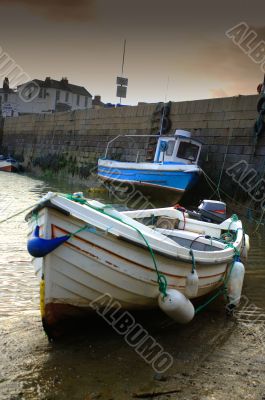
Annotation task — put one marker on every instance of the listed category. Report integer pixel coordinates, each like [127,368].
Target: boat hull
[8,166]
[94,263]
[168,181]
[153,192]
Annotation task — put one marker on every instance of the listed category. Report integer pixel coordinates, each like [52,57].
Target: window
[86,101]
[40,93]
[57,95]
[77,99]
[170,147]
[67,96]
[5,97]
[188,151]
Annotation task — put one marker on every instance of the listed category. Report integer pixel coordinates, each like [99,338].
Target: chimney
[64,81]
[6,84]
[48,81]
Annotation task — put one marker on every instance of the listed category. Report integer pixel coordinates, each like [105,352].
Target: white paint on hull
[90,264]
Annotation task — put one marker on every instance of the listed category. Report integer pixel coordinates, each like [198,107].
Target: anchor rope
[211,182]
[223,165]
[17,213]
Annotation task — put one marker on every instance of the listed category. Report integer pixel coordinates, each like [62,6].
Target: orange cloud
[218,93]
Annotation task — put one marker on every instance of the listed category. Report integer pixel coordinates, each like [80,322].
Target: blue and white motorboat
[173,170]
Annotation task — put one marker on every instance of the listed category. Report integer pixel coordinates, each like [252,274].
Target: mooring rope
[18,213]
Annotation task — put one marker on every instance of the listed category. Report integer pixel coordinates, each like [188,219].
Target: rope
[225,193]
[16,214]
[183,210]
[193,261]
[260,221]
[80,230]
[223,289]
[237,253]
[161,279]
[222,169]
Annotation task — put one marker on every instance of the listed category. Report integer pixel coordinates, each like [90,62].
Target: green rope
[209,301]
[237,253]
[229,236]
[79,230]
[223,289]
[161,279]
[35,215]
[193,261]
[77,199]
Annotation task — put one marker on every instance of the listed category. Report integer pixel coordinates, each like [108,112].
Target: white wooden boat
[109,254]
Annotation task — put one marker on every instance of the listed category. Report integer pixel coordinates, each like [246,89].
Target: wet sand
[215,357]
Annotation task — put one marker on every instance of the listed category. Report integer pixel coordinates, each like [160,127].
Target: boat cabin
[179,148]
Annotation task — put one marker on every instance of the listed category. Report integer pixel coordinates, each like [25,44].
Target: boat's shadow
[92,357]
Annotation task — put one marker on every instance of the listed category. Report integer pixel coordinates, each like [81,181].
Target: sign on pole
[122,81]
[122,84]
[121,91]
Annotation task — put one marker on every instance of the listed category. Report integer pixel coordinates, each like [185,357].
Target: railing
[116,137]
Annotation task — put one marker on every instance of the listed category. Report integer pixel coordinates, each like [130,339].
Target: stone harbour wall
[70,143]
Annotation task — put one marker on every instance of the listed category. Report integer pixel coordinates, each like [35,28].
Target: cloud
[218,93]
[79,10]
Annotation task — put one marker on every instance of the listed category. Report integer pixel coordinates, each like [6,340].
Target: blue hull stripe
[170,179]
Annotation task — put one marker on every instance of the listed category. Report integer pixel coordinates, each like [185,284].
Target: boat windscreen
[188,151]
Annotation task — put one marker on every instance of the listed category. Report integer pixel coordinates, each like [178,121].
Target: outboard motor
[210,211]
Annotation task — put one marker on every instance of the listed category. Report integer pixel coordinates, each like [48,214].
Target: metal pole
[123,60]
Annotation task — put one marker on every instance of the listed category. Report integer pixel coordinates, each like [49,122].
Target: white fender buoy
[176,306]
[235,282]
[192,284]
[246,246]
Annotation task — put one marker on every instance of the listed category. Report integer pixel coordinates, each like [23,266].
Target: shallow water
[214,357]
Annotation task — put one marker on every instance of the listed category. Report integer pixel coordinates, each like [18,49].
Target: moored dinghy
[130,256]
[8,164]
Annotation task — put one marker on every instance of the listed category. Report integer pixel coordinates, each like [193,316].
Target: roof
[62,85]
[2,90]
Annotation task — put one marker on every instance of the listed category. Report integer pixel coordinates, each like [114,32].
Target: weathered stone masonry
[71,142]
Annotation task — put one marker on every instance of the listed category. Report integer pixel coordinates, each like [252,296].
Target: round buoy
[176,306]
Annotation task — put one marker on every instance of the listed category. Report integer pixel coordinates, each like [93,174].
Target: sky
[175,50]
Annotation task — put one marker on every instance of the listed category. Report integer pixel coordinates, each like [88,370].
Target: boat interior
[184,231]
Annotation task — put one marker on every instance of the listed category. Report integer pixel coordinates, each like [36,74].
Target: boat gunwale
[228,258]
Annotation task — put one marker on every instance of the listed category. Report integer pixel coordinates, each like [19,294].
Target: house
[8,101]
[50,96]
